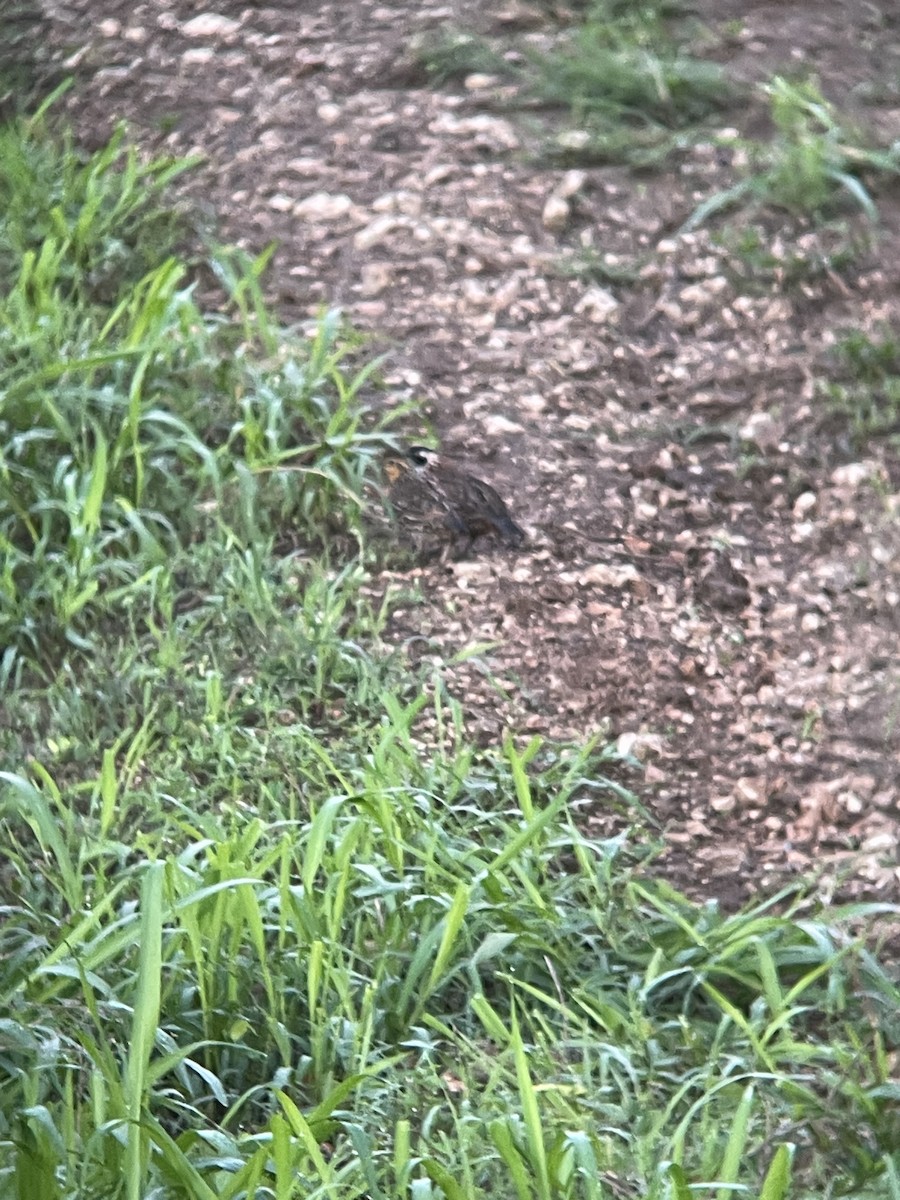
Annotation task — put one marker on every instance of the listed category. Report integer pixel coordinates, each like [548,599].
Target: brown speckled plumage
[433,497]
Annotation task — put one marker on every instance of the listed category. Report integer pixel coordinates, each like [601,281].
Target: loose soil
[712,571]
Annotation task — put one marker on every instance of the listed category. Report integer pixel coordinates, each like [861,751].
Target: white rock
[484,129]
[569,614]
[376,231]
[438,173]
[639,744]
[474,291]
[880,843]
[703,292]
[305,166]
[323,206]
[851,475]
[110,28]
[748,790]
[606,575]
[477,81]
[495,426]
[598,304]
[506,294]
[197,56]
[470,574]
[556,212]
[571,183]
[281,203]
[723,804]
[573,139]
[533,403]
[209,25]
[804,505]
[850,802]
[402,201]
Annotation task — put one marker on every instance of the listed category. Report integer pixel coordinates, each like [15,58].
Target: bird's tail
[510,532]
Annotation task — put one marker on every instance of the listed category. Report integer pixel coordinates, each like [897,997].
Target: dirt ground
[712,574]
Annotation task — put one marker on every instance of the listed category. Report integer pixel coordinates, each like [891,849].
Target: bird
[436,499]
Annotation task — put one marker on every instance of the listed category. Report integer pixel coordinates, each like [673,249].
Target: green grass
[272,926]
[863,390]
[449,54]
[760,262]
[134,423]
[613,79]
[815,166]
[623,73]
[214,968]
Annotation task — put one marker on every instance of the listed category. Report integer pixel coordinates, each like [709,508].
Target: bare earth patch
[712,570]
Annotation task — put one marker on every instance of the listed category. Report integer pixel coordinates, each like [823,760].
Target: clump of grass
[817,158]
[411,957]
[629,82]
[449,54]
[815,165]
[620,71]
[272,925]
[101,214]
[598,142]
[864,389]
[129,417]
[632,84]
[589,264]
[762,260]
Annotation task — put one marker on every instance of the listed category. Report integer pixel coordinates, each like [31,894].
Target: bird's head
[421,456]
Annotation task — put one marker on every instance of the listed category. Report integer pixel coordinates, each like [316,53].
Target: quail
[433,497]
